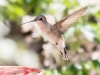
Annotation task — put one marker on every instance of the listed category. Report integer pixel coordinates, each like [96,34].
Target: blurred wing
[68,21]
[50,19]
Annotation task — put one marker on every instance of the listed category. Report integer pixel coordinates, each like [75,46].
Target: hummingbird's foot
[65,56]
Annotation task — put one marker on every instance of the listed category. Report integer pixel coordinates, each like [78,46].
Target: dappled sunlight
[25,45]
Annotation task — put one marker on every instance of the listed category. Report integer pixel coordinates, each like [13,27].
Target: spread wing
[68,21]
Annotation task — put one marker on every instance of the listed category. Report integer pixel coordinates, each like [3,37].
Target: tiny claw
[65,57]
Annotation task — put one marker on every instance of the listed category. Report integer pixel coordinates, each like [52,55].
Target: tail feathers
[64,54]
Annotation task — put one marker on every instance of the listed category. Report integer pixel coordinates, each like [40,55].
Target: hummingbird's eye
[40,18]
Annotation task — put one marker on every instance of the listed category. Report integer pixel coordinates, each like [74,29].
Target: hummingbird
[54,33]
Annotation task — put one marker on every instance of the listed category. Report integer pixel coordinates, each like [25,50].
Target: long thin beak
[28,22]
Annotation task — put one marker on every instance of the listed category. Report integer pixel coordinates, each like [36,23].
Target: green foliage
[82,68]
[86,29]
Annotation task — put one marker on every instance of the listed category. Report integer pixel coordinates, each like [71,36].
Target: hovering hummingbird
[54,32]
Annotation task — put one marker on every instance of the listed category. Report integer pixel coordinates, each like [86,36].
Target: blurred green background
[26,46]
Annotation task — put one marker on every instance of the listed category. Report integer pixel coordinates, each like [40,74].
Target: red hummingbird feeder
[18,70]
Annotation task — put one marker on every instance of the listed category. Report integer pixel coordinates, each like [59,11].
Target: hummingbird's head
[39,19]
